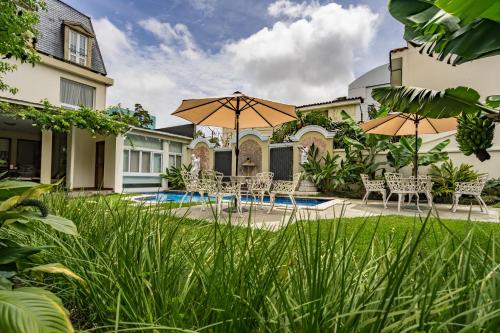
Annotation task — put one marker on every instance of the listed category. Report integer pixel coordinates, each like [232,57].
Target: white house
[71,74]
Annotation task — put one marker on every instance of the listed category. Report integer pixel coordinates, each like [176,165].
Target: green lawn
[148,270]
[399,226]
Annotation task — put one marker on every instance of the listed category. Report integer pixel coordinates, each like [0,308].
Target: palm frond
[446,103]
[457,31]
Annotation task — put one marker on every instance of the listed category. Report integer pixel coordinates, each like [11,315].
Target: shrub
[446,175]
[322,170]
[174,177]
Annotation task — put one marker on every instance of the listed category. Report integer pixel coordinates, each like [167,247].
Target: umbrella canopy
[235,111]
[223,111]
[399,124]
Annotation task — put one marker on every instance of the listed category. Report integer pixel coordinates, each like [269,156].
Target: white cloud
[207,6]
[291,9]
[305,57]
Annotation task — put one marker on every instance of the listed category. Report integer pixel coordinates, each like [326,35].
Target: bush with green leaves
[361,151]
[28,309]
[285,131]
[402,153]
[322,170]
[446,175]
[174,177]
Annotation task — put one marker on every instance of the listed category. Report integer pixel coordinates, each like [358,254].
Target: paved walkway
[258,217]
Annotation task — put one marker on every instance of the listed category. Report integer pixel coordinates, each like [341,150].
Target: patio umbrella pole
[416,148]
[237,149]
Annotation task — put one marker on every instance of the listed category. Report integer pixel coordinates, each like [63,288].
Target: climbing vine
[57,119]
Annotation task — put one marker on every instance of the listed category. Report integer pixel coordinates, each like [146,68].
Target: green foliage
[28,309]
[142,116]
[402,153]
[446,175]
[475,134]
[361,150]
[430,103]
[58,119]
[18,20]
[147,270]
[283,133]
[174,177]
[457,30]
[322,170]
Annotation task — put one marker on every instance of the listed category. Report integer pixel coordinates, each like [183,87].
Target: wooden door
[99,164]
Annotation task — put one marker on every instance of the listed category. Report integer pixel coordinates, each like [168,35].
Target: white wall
[427,72]
[363,86]
[43,81]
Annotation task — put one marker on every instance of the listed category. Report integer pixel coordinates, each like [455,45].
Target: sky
[160,52]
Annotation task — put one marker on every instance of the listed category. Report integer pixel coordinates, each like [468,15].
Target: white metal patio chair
[471,188]
[191,183]
[402,187]
[424,185]
[209,184]
[231,190]
[284,187]
[259,185]
[373,186]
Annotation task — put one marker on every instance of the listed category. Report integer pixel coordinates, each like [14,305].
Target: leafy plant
[450,102]
[475,134]
[18,19]
[361,151]
[446,175]
[174,177]
[321,170]
[28,309]
[283,133]
[402,153]
[457,30]
[62,120]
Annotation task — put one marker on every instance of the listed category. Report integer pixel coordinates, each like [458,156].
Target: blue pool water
[177,197]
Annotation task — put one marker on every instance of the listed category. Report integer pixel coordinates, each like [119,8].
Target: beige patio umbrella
[235,111]
[400,124]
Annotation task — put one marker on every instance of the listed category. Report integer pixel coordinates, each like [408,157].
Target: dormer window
[78,44]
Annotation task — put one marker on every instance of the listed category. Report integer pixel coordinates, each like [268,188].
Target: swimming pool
[176,196]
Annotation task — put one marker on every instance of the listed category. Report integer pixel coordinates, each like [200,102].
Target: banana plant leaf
[460,30]
[403,152]
[430,103]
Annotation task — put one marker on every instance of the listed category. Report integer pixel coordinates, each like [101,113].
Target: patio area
[258,217]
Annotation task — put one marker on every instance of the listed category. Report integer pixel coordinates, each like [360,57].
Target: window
[175,154]
[134,161]
[75,94]
[156,163]
[78,45]
[126,154]
[142,155]
[146,162]
[397,72]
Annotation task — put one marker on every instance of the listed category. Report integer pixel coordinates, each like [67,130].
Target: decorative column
[118,174]
[46,158]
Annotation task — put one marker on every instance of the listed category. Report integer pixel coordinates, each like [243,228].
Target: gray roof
[184,130]
[50,41]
